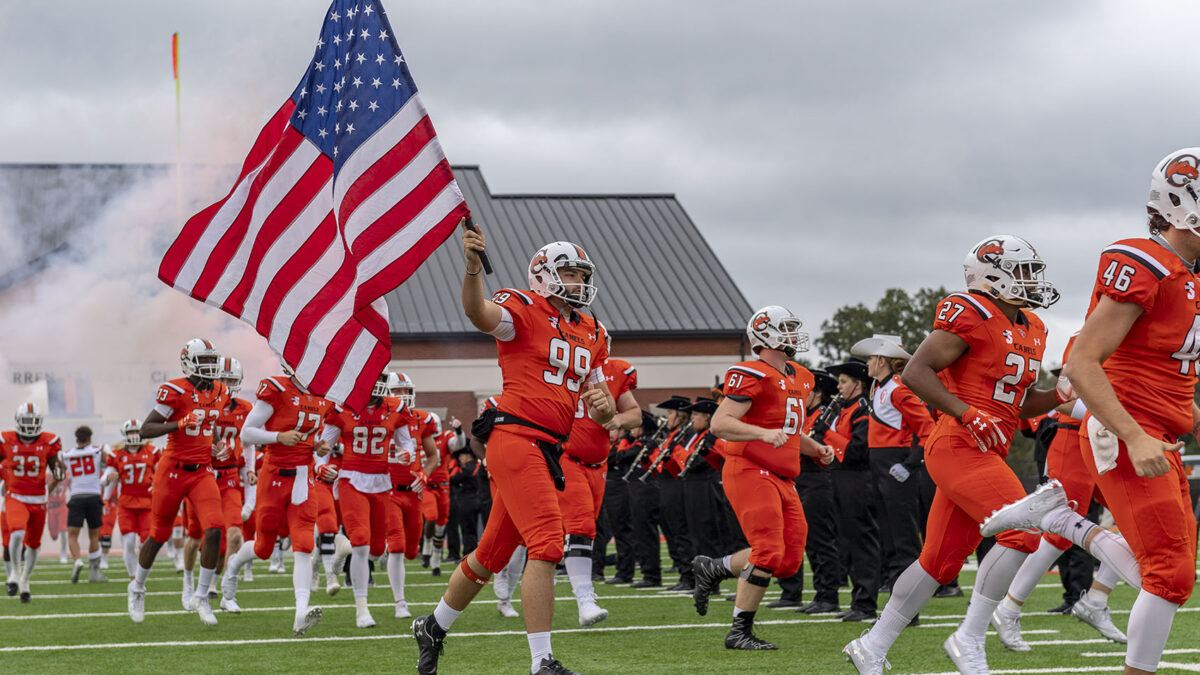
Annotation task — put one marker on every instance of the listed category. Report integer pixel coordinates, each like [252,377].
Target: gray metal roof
[633,240]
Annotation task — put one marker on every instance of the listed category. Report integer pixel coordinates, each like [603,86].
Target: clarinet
[662,456]
[691,460]
[653,440]
[829,415]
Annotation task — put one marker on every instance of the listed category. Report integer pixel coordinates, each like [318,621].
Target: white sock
[913,588]
[435,557]
[1110,549]
[395,569]
[1064,522]
[1107,576]
[139,577]
[189,582]
[579,571]
[1008,606]
[727,563]
[359,571]
[243,557]
[995,575]
[8,569]
[539,648]
[302,569]
[206,579]
[1149,627]
[445,615]
[15,541]
[1032,570]
[93,555]
[31,556]
[327,564]
[129,544]
[360,604]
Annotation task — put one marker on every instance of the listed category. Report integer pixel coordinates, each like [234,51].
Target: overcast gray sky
[826,150]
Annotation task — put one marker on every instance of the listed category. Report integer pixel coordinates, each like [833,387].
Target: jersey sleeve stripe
[758,375]
[524,298]
[276,383]
[630,370]
[1156,268]
[53,440]
[176,387]
[975,304]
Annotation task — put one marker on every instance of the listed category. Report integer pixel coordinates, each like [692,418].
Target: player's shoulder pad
[1145,253]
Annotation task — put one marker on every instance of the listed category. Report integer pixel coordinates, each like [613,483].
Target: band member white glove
[899,472]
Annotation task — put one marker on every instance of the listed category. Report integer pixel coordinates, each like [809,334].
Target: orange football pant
[134,519]
[524,503]
[1155,516]
[365,516]
[435,504]
[21,516]
[970,486]
[108,520]
[404,523]
[769,511]
[327,519]
[1064,463]
[580,501]
[172,485]
[276,515]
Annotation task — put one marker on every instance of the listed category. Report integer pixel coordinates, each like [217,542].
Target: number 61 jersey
[1153,371]
[546,360]
[1002,360]
[777,401]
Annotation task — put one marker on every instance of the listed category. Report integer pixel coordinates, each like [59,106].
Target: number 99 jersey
[777,401]
[546,360]
[1153,371]
[192,442]
[1001,363]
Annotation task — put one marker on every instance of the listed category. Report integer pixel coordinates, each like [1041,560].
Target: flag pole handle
[469,224]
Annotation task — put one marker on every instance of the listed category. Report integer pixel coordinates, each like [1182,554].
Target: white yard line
[1166,652]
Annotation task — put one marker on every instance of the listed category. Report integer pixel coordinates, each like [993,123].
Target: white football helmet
[29,420]
[1008,268]
[775,327]
[131,431]
[380,388]
[1173,189]
[231,374]
[199,358]
[401,386]
[545,281]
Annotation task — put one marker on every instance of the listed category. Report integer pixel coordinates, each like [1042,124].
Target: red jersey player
[285,421]
[550,357]
[363,484]
[979,367]
[185,411]
[25,453]
[132,471]
[435,501]
[760,422]
[230,464]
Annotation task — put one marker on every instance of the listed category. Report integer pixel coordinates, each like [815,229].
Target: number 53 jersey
[1002,360]
[546,360]
[1153,371]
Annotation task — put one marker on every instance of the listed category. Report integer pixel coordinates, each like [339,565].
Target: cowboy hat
[887,346]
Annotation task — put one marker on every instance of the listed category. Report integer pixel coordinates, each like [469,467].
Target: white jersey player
[85,466]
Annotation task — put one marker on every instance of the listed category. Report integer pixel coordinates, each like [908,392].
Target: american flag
[345,193]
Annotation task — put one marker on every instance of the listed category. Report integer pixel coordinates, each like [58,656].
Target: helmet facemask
[380,388]
[576,294]
[29,423]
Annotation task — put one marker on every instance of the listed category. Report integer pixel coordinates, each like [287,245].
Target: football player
[550,357]
[285,421]
[363,484]
[85,465]
[407,476]
[760,421]
[435,501]
[1134,366]
[25,454]
[132,472]
[230,461]
[979,367]
[586,452]
[185,411]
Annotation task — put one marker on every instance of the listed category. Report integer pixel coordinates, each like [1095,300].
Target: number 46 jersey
[1153,371]
[777,401]
[1002,360]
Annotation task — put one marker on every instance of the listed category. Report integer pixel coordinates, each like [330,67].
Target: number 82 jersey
[777,401]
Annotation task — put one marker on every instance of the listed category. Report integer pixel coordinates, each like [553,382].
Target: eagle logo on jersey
[988,251]
[1182,170]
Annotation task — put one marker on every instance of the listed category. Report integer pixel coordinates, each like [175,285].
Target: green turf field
[84,629]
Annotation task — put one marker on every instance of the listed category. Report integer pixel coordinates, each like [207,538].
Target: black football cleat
[613,581]
[709,574]
[858,615]
[431,640]
[748,641]
[948,591]
[783,603]
[25,597]
[819,607]
[425,561]
[12,588]
[646,583]
[552,666]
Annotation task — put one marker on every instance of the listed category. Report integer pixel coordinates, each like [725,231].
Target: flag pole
[178,129]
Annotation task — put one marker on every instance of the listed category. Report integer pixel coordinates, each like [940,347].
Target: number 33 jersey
[1153,371]
[777,401]
[175,401]
[546,360]
[1002,360]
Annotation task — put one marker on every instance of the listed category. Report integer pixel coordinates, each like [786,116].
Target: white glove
[417,486]
[1063,389]
[898,472]
[247,512]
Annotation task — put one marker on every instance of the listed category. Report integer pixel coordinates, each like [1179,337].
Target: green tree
[898,312]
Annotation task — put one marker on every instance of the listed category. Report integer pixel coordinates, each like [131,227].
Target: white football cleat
[204,610]
[77,570]
[341,551]
[248,575]
[506,609]
[305,622]
[1099,618]
[591,614]
[1027,512]
[1008,628]
[363,618]
[136,602]
[230,605]
[968,655]
[866,661]
[402,610]
[104,562]
[189,601]
[331,585]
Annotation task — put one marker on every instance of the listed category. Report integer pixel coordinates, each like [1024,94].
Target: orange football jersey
[1002,361]
[366,436]
[135,474]
[229,430]
[403,473]
[777,401]
[176,399]
[25,463]
[292,410]
[546,366]
[589,441]
[1153,371]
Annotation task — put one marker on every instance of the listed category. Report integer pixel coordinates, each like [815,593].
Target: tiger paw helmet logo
[989,251]
[761,322]
[1182,170]
[539,262]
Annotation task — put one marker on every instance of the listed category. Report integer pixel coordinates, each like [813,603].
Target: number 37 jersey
[777,401]
[1002,360]
[546,360]
[1153,371]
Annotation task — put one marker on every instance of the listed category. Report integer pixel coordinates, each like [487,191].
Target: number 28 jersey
[546,360]
[1002,360]
[1153,371]
[777,401]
